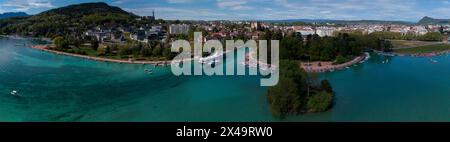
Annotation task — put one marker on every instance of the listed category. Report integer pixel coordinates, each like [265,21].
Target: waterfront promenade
[320,66]
[45,48]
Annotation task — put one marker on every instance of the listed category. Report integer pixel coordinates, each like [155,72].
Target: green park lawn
[424,49]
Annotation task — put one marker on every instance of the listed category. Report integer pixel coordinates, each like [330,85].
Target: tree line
[316,48]
[430,36]
[130,49]
[297,93]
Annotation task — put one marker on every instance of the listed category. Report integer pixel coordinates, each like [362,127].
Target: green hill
[428,20]
[67,20]
[13,14]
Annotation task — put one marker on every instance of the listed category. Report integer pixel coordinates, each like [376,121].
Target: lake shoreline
[432,54]
[30,38]
[46,49]
[321,67]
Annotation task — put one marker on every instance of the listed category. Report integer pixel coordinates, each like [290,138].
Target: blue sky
[405,10]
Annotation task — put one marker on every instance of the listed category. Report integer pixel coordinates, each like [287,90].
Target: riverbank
[130,61]
[320,66]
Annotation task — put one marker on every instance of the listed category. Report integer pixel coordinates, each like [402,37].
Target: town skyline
[398,10]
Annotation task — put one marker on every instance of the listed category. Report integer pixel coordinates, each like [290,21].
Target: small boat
[148,70]
[15,93]
[433,61]
[202,61]
[347,67]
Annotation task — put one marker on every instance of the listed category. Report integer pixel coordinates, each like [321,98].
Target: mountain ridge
[13,14]
[342,21]
[68,19]
[85,9]
[428,20]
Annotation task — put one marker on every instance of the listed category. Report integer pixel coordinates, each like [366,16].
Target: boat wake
[367,57]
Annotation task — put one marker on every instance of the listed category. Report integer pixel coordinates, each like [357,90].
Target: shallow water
[403,89]
[61,88]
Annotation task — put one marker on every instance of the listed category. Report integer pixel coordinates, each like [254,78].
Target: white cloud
[234,4]
[25,5]
[325,12]
[178,13]
[120,1]
[409,10]
[350,9]
[179,1]
[446,2]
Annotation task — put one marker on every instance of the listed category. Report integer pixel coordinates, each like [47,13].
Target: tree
[60,43]
[290,96]
[326,86]
[320,102]
[94,44]
[431,36]
[146,52]
[284,98]
[289,48]
[157,51]
[125,50]
[108,50]
[167,53]
[277,35]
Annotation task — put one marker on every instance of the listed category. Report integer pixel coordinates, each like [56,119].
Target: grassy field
[410,44]
[424,49]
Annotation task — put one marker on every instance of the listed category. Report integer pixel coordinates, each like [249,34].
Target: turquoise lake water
[61,88]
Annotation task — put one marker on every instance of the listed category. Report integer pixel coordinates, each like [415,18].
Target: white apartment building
[179,29]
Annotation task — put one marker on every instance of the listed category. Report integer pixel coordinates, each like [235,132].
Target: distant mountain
[83,9]
[308,20]
[69,19]
[342,21]
[13,14]
[371,22]
[428,20]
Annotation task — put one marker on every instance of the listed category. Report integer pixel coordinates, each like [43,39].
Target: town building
[178,29]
